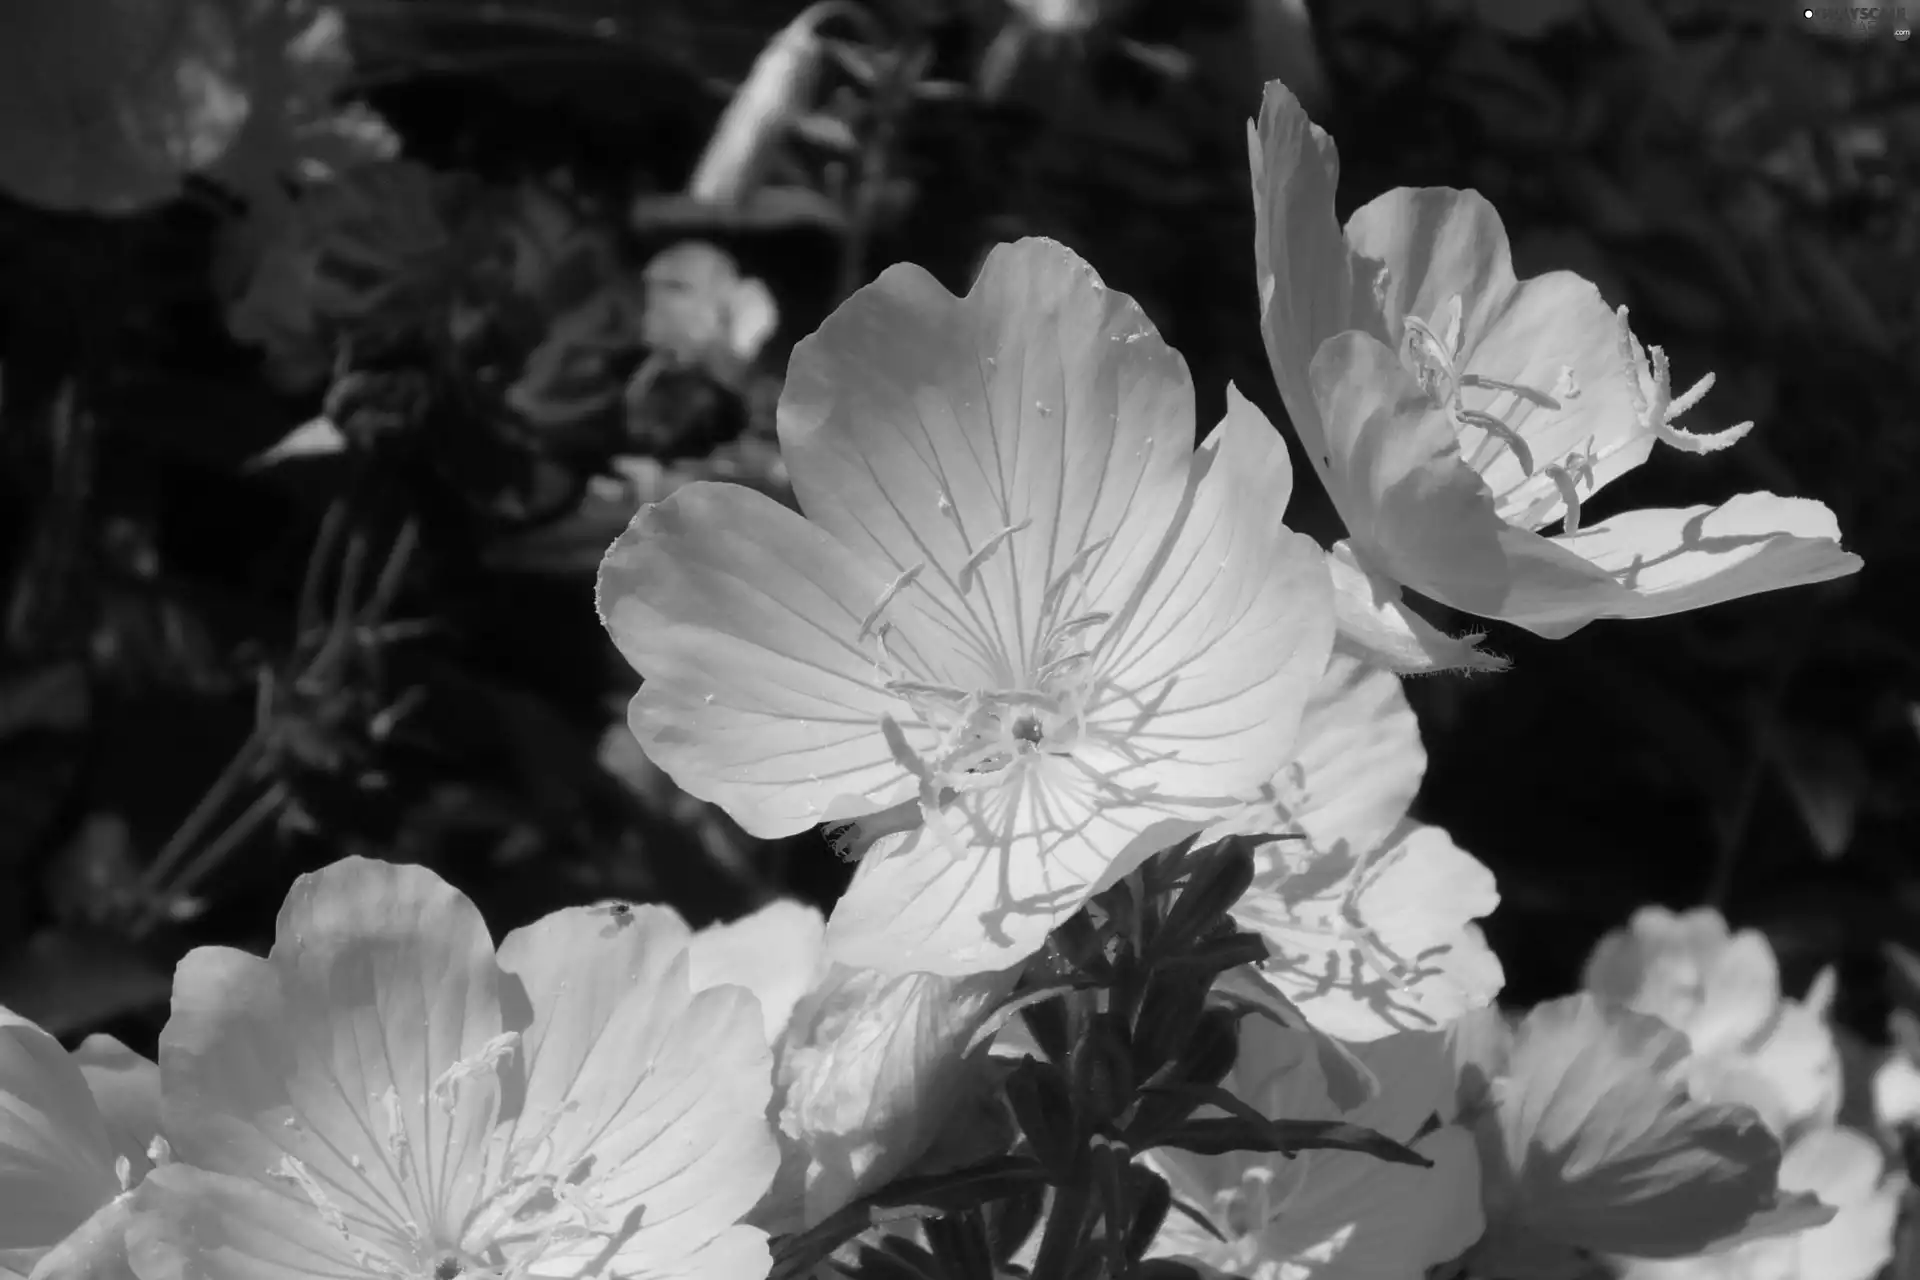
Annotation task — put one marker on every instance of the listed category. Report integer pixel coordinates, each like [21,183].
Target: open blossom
[1026,635]
[1846,1171]
[1591,1142]
[1331,1215]
[1455,412]
[1722,989]
[74,1137]
[868,1066]
[1368,914]
[385,1096]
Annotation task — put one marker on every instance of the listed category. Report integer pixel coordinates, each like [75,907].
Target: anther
[894,588]
[1055,589]
[1506,435]
[987,548]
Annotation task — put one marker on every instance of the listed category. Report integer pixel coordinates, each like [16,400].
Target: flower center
[988,736]
[531,1212]
[1435,353]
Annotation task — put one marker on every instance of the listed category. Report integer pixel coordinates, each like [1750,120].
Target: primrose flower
[1722,989]
[385,1096]
[1591,1143]
[1368,915]
[1454,412]
[1026,635]
[1846,1171]
[1330,1214]
[75,1132]
[868,1066]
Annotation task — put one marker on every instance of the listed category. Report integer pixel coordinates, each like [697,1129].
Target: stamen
[1649,366]
[489,1054]
[924,689]
[1506,434]
[1432,360]
[1538,398]
[397,1145]
[1050,598]
[1073,626]
[1568,494]
[894,588]
[903,753]
[987,548]
[1455,312]
[1049,670]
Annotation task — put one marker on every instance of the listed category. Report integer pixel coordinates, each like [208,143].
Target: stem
[264,807]
[1066,1226]
[194,824]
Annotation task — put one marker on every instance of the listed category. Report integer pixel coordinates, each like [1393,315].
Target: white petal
[1014,862]
[917,427]
[328,1053]
[1371,945]
[761,694]
[649,1095]
[190,1224]
[1670,560]
[1377,625]
[778,953]
[1204,676]
[56,1161]
[127,1088]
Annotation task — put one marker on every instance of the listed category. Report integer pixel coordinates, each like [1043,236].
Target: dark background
[1741,177]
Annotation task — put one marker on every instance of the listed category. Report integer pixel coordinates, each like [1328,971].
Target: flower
[385,1096]
[1722,990]
[1025,637]
[1329,1214]
[1368,915]
[74,1137]
[1590,1143]
[1454,411]
[1845,1170]
[868,1066]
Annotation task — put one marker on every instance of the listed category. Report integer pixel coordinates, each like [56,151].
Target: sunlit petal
[1312,285]
[324,1057]
[761,694]
[56,1156]
[1670,560]
[918,428]
[1376,625]
[1208,671]
[1373,941]
[648,1096]
[127,1088]
[777,952]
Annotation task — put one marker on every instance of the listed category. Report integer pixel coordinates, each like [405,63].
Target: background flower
[1369,915]
[1453,410]
[1331,1213]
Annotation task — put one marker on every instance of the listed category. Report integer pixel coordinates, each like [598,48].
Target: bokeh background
[338,341]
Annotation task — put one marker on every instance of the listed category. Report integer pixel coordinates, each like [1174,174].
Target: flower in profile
[75,1131]
[1454,412]
[385,1096]
[1722,989]
[1591,1144]
[868,1066]
[1368,914]
[1846,1171]
[1026,634]
[1331,1214]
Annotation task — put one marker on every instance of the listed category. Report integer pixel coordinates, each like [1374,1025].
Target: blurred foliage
[309,459]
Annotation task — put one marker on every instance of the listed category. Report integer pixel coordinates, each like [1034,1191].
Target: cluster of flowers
[1025,638]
